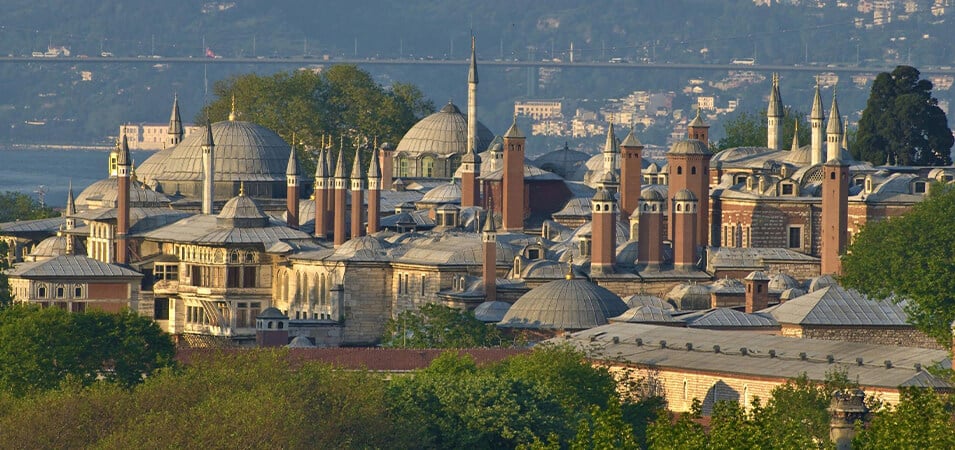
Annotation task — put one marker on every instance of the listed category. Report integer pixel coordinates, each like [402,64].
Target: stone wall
[901,336]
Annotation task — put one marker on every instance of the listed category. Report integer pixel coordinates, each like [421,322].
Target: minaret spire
[292,189]
[472,100]
[833,130]
[795,145]
[816,119]
[774,115]
[357,195]
[175,123]
[208,170]
[123,164]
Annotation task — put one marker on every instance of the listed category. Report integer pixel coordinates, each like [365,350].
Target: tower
[816,119]
[472,100]
[357,196]
[175,124]
[835,214]
[292,191]
[684,215]
[774,116]
[386,159]
[631,176]
[611,158]
[489,268]
[513,183]
[208,170]
[757,291]
[374,193]
[698,129]
[470,172]
[339,195]
[123,165]
[650,245]
[689,163]
[603,232]
[321,194]
[833,131]
[68,213]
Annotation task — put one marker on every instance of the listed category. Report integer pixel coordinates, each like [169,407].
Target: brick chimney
[339,195]
[470,172]
[123,168]
[689,166]
[757,291]
[321,195]
[292,191]
[489,268]
[374,193]
[684,213]
[513,182]
[631,176]
[386,160]
[835,214]
[650,244]
[603,232]
[357,196]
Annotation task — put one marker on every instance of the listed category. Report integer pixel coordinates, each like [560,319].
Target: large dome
[243,151]
[443,133]
[574,304]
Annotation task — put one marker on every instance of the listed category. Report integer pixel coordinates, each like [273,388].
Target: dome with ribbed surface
[242,212]
[491,312]
[443,193]
[443,133]
[689,147]
[574,304]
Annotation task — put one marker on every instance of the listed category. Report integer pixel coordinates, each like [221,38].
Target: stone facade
[902,336]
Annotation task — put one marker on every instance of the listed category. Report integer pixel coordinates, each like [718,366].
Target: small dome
[652,195]
[690,296]
[780,282]
[646,314]
[564,162]
[491,312]
[689,147]
[271,313]
[443,193]
[685,195]
[574,304]
[820,282]
[300,342]
[603,195]
[443,133]
[365,248]
[54,246]
[242,212]
[636,300]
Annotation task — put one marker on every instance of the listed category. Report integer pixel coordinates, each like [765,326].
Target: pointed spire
[610,146]
[513,132]
[321,166]
[292,169]
[123,158]
[489,226]
[356,165]
[175,120]
[70,201]
[817,111]
[835,120]
[472,72]
[631,140]
[845,133]
[232,114]
[775,100]
[374,167]
[795,145]
[340,165]
[697,121]
[209,141]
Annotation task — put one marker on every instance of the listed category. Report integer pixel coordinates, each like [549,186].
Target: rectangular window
[919,187]
[78,307]
[161,309]
[78,292]
[787,189]
[795,237]
[232,277]
[248,277]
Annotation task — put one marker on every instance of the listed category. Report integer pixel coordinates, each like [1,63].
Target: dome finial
[232,113]
[242,189]
[570,268]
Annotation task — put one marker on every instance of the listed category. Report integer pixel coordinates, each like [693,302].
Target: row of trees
[438,326]
[304,106]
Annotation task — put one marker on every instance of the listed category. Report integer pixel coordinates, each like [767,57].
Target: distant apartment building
[706,103]
[151,136]
[539,109]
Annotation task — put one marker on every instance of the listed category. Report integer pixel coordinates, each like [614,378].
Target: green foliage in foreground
[20,206]
[439,326]
[42,348]
[750,130]
[910,257]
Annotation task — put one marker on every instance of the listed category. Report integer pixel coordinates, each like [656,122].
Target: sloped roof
[728,318]
[834,305]
[71,266]
[645,314]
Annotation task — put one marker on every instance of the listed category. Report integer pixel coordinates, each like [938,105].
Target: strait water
[25,170]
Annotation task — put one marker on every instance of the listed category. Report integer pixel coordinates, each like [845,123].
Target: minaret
[472,100]
[513,183]
[833,131]
[795,146]
[321,194]
[292,191]
[684,214]
[611,157]
[123,164]
[631,176]
[340,191]
[175,124]
[774,116]
[374,193]
[698,129]
[470,174]
[603,231]
[652,206]
[835,213]
[489,268]
[68,213]
[816,119]
[357,196]
[208,170]
[387,161]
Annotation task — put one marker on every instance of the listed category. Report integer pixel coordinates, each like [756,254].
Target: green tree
[750,130]
[20,206]
[6,295]
[438,326]
[604,428]
[922,419]
[343,102]
[902,123]
[910,257]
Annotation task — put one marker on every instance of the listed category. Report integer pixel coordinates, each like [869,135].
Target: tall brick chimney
[357,196]
[321,195]
[489,268]
[513,182]
[757,291]
[374,194]
[339,193]
[683,213]
[631,176]
[689,165]
[292,191]
[603,232]
[386,159]
[123,167]
[650,244]
[470,185]
[835,214]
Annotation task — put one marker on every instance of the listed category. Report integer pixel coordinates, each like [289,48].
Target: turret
[603,232]
[631,177]
[339,194]
[833,131]
[816,119]
[321,194]
[292,191]
[176,131]
[374,194]
[611,153]
[357,196]
[513,183]
[698,129]
[123,166]
[774,115]
[208,170]
[757,292]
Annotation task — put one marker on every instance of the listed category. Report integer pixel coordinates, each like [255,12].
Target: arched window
[281,325]
[402,167]
[427,167]
[693,170]
[233,257]
[679,170]
[679,207]
[249,258]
